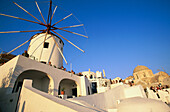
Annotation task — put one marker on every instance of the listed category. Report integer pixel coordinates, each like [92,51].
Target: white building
[97,81]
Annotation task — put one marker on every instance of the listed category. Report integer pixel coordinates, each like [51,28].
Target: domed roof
[140,68]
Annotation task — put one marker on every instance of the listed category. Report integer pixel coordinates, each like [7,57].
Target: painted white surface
[164,96]
[134,91]
[51,54]
[115,85]
[55,75]
[106,100]
[110,98]
[6,76]
[102,101]
[33,100]
[102,89]
[88,74]
[99,74]
[152,94]
[138,104]
[112,110]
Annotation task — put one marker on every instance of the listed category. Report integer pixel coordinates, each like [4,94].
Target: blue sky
[122,33]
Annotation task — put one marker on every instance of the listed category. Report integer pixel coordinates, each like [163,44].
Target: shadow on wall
[7,79]
[23,107]
[18,70]
[41,81]
[69,87]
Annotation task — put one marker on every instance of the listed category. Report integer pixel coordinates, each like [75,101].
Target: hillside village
[37,81]
[82,88]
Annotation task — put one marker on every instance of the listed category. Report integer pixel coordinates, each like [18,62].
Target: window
[144,74]
[94,87]
[43,62]
[91,76]
[137,76]
[46,44]
[59,41]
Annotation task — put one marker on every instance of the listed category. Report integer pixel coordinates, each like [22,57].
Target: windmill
[47,45]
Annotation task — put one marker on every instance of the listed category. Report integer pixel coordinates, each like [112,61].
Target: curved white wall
[51,54]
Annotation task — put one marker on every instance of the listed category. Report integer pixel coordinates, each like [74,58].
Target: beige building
[145,77]
[129,79]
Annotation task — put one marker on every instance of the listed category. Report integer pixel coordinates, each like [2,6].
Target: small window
[137,76]
[46,44]
[144,74]
[91,76]
[43,62]
[88,90]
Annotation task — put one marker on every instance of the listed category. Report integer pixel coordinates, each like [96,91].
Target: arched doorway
[69,86]
[40,79]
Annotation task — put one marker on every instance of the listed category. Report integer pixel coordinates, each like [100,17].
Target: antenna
[163,69]
[104,73]
[70,66]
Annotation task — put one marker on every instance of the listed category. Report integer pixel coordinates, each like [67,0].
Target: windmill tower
[47,51]
[47,45]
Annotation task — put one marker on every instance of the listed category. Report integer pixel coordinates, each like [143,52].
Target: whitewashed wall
[51,54]
[33,100]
